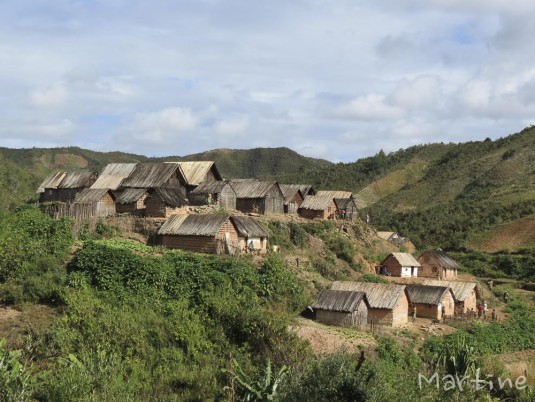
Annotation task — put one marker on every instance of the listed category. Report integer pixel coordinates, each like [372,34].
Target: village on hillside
[195,209]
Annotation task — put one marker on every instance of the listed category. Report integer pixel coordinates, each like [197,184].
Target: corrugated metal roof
[316,202]
[460,290]
[52,181]
[442,258]
[405,260]
[193,225]
[339,300]
[131,195]
[336,194]
[379,295]
[252,188]
[426,294]
[150,175]
[195,172]
[171,196]
[248,226]
[211,187]
[90,195]
[77,179]
[113,175]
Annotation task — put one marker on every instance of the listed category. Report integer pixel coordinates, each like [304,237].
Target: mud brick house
[132,201]
[464,294]
[341,308]
[348,206]
[437,264]
[388,303]
[293,197]
[250,231]
[261,197]
[211,234]
[163,202]
[400,264]
[429,301]
[318,207]
[63,186]
[221,193]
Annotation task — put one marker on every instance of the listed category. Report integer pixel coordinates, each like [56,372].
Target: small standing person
[484,309]
[444,314]
[414,314]
[493,314]
[209,199]
[505,297]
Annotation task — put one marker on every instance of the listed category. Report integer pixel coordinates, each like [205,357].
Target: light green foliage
[372,278]
[17,379]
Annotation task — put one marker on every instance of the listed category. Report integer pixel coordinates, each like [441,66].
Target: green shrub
[372,278]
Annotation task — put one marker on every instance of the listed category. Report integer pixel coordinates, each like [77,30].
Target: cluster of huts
[172,190]
[390,304]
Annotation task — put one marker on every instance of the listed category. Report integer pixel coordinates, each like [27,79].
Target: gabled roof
[171,196]
[339,300]
[248,226]
[442,258]
[386,235]
[422,294]
[90,195]
[131,195]
[150,175]
[193,225]
[336,194]
[253,188]
[379,295]
[52,181]
[404,259]
[289,191]
[211,187]
[460,290]
[316,202]
[113,175]
[343,203]
[195,172]
[78,179]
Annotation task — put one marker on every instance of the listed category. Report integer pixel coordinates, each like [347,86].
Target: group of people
[482,311]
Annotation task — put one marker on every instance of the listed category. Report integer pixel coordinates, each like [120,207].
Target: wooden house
[437,264]
[341,308]
[211,234]
[250,231]
[403,243]
[400,264]
[113,175]
[318,207]
[261,197]
[388,303]
[347,208]
[132,201]
[162,202]
[219,192]
[156,175]
[293,198]
[93,203]
[429,301]
[63,186]
[335,194]
[197,172]
[464,294]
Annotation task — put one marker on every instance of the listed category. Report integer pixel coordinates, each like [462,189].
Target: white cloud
[53,96]
[369,107]
[231,127]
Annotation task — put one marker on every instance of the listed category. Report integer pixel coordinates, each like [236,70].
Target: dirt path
[14,323]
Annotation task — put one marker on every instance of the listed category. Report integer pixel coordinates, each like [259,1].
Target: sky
[333,79]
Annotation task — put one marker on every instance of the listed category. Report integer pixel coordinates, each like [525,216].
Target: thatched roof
[289,191]
[344,203]
[52,181]
[248,226]
[253,188]
[193,225]
[386,235]
[442,258]
[339,300]
[113,175]
[131,195]
[211,187]
[171,196]
[460,290]
[379,295]
[404,259]
[90,195]
[150,175]
[78,179]
[316,202]
[422,294]
[336,194]
[195,172]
